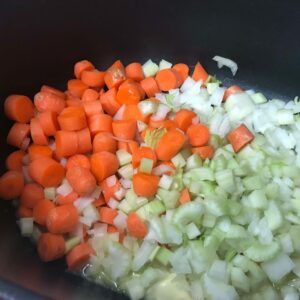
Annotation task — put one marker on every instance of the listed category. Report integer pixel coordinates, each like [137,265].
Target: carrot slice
[150,86]
[103,165]
[93,78]
[145,185]
[232,90]
[107,215]
[66,143]
[79,255]
[38,151]
[92,107]
[135,226]
[41,210]
[45,101]
[76,87]
[143,152]
[90,95]
[109,191]
[24,212]
[83,65]
[14,161]
[183,70]
[109,102]
[185,196]
[198,135]
[31,194]
[104,142]
[100,123]
[48,121]
[74,103]
[199,73]
[51,246]
[37,134]
[240,137]
[19,108]
[129,92]
[11,185]
[62,219]
[115,75]
[168,79]
[169,145]
[72,118]
[78,160]
[134,71]
[46,171]
[124,129]
[84,141]
[81,180]
[17,133]
[183,118]
[204,151]
[49,89]
[70,198]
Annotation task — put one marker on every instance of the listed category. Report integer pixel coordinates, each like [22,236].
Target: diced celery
[239,280]
[169,198]
[225,179]
[194,161]
[186,153]
[163,255]
[146,165]
[200,174]
[150,68]
[163,64]
[155,207]
[126,171]
[273,216]
[259,98]
[165,182]
[262,252]
[257,199]
[124,157]
[209,220]
[71,243]
[125,206]
[253,183]
[178,161]
[192,231]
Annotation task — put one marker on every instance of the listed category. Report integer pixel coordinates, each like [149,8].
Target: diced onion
[111,180]
[64,189]
[222,61]
[82,202]
[112,203]
[119,114]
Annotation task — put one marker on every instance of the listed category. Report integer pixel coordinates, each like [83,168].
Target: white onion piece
[111,180]
[25,159]
[141,126]
[52,145]
[113,203]
[82,202]
[162,169]
[120,193]
[217,96]
[126,183]
[25,144]
[188,84]
[99,229]
[120,221]
[27,178]
[143,254]
[78,232]
[119,114]
[64,189]
[63,162]
[161,112]
[222,61]
[161,97]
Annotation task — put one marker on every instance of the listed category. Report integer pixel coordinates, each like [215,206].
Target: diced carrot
[81,180]
[19,108]
[145,185]
[169,125]
[115,75]
[93,78]
[169,145]
[183,118]
[109,191]
[14,161]
[11,185]
[169,164]
[183,70]
[90,95]
[83,65]
[92,107]
[204,151]
[134,71]
[132,146]
[37,134]
[100,123]
[143,152]
[74,103]
[72,118]
[136,226]
[200,73]
[240,137]
[41,210]
[109,102]
[185,196]
[104,141]
[45,101]
[66,143]
[129,92]
[48,121]
[99,202]
[107,215]
[76,87]
[78,160]
[51,246]
[70,198]
[168,79]
[49,89]
[32,193]
[155,124]
[124,129]
[38,151]
[24,212]
[150,86]
[103,165]
[79,255]
[133,112]
[232,90]
[46,171]
[198,135]
[62,219]
[84,141]
[17,133]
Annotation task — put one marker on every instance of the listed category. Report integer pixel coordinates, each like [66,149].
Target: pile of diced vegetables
[160,182]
